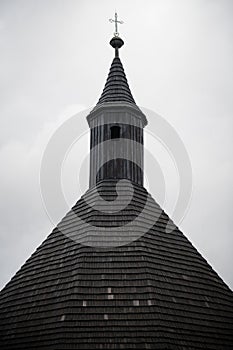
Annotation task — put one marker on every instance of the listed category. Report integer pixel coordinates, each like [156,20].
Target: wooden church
[116,273]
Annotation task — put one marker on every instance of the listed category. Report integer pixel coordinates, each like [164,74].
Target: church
[116,273]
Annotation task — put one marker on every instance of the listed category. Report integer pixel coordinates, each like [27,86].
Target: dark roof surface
[156,292]
[116,88]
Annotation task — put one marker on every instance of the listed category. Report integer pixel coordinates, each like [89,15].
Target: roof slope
[156,292]
[116,88]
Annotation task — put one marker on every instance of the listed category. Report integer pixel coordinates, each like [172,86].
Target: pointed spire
[116,88]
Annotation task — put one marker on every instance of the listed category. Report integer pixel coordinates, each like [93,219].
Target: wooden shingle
[163,294]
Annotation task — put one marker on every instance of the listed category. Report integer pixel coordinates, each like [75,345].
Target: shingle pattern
[116,88]
[156,292]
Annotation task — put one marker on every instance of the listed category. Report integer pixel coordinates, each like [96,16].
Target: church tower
[110,275]
[116,119]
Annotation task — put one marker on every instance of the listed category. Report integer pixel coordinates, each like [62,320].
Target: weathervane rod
[116,22]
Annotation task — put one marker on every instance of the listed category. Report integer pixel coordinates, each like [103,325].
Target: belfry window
[115,132]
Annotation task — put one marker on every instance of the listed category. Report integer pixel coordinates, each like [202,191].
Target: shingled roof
[116,88]
[157,292]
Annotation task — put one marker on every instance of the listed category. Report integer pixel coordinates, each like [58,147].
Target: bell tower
[116,123]
[116,272]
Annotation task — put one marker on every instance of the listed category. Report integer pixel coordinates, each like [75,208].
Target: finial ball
[116,42]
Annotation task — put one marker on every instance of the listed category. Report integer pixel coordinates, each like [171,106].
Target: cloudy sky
[178,57]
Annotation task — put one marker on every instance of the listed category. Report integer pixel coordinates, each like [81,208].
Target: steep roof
[156,292]
[116,88]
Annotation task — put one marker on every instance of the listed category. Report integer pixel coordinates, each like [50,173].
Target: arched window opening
[115,132]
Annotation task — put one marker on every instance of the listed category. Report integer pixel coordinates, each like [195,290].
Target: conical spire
[116,88]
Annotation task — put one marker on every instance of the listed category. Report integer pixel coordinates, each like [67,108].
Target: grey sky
[54,62]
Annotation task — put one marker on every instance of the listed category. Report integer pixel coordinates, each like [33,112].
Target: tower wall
[116,144]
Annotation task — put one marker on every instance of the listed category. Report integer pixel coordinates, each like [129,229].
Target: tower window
[115,132]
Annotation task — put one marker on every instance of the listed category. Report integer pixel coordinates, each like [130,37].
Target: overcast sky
[55,57]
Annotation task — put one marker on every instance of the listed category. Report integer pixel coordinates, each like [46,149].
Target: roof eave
[117,106]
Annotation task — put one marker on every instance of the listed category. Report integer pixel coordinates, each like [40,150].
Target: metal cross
[115,21]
